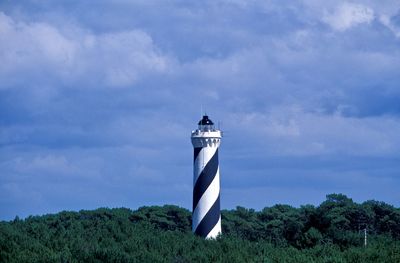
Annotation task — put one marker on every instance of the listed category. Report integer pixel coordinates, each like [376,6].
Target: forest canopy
[330,232]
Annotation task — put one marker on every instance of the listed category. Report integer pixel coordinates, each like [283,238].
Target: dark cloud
[97,101]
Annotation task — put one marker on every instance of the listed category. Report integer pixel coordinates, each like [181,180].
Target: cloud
[293,131]
[388,22]
[124,56]
[27,47]
[72,54]
[348,15]
[98,112]
[47,163]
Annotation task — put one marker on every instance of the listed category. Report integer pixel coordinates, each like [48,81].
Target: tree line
[330,232]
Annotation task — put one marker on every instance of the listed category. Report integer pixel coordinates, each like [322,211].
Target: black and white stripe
[206,191]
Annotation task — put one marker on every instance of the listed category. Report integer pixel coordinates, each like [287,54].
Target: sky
[98,100]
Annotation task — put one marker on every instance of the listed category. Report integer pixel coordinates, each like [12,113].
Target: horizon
[188,209]
[97,102]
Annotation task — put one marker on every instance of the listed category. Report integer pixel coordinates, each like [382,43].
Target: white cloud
[348,15]
[385,20]
[247,67]
[128,54]
[46,164]
[294,131]
[42,49]
[27,47]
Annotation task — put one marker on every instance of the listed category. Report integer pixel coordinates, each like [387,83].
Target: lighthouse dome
[205,121]
[206,124]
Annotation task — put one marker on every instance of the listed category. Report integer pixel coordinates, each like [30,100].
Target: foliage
[331,232]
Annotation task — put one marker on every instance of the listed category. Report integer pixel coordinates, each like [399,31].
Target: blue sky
[98,99]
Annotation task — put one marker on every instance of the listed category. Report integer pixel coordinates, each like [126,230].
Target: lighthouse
[206,217]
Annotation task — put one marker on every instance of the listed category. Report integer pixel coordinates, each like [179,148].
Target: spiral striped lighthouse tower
[206,219]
